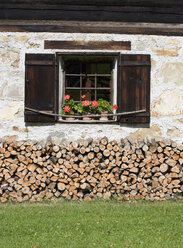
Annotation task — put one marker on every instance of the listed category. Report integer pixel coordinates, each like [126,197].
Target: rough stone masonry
[166,88]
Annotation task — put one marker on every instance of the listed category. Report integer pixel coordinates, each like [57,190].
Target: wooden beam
[97,45]
[155,3]
[92,27]
[95,10]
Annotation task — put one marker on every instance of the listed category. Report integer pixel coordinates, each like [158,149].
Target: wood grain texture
[99,2]
[163,11]
[134,87]
[91,27]
[97,45]
[40,86]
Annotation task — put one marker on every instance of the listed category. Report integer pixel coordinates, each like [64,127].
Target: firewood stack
[90,169]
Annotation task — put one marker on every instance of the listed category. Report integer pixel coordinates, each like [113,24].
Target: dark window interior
[90,76]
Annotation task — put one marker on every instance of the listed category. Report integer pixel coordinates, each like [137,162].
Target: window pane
[90,94]
[104,94]
[80,84]
[88,82]
[104,68]
[72,68]
[72,81]
[89,68]
[103,81]
[75,94]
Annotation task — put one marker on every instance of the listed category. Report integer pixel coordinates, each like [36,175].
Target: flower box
[97,109]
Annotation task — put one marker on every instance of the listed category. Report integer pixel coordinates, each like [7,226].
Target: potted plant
[94,108]
[84,108]
[104,108]
[68,107]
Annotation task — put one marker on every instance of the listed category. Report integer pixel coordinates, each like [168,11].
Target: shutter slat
[38,62]
[131,63]
[40,86]
[134,87]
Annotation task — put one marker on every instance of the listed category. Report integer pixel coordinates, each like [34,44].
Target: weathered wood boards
[163,11]
[90,169]
[91,27]
[96,45]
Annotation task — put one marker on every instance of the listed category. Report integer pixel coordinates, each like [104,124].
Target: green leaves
[86,107]
[104,105]
[70,103]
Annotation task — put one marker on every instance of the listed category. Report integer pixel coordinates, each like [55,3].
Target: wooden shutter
[40,87]
[134,87]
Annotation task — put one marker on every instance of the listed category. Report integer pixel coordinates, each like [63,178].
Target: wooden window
[93,76]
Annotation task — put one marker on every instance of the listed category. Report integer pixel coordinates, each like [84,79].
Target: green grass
[68,224]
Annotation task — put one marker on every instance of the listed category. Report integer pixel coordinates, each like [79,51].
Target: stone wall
[91,169]
[166,88]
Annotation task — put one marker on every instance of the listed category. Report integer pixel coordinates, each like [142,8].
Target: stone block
[10,110]
[179,120]
[172,72]
[21,130]
[10,57]
[172,52]
[153,63]
[173,132]
[3,38]
[22,38]
[170,103]
[172,42]
[154,132]
[8,138]
[11,90]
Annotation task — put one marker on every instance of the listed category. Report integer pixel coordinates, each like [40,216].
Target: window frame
[133,74]
[82,53]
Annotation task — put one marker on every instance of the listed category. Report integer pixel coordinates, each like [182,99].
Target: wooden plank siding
[149,11]
[91,27]
[168,3]
[97,45]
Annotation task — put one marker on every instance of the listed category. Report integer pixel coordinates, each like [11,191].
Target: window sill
[88,121]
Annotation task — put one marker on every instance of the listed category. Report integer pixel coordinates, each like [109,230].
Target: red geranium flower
[83,96]
[67,97]
[85,103]
[115,107]
[95,104]
[67,109]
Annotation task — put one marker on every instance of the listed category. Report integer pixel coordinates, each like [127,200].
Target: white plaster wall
[166,87]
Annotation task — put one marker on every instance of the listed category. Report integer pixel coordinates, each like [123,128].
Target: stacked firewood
[90,169]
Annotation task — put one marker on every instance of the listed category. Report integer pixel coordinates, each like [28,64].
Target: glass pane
[89,68]
[92,68]
[104,68]
[88,82]
[103,81]
[72,81]
[83,68]
[90,94]
[75,94]
[72,67]
[104,94]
